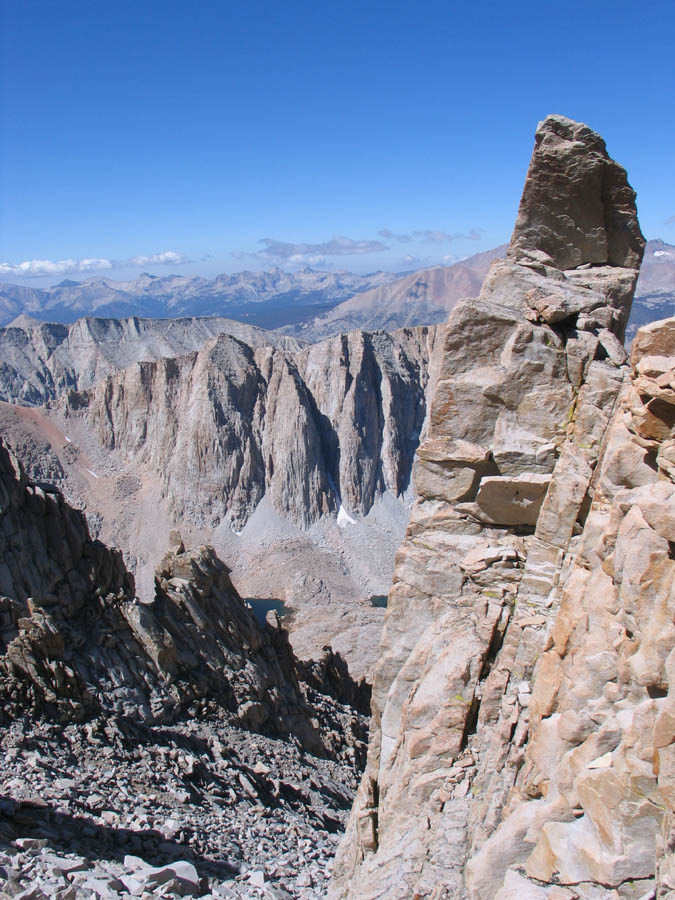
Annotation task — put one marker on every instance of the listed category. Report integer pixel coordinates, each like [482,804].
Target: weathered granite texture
[523,666]
[577,207]
[591,789]
[335,423]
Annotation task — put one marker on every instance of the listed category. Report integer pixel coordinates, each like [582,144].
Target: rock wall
[336,423]
[514,745]
[592,791]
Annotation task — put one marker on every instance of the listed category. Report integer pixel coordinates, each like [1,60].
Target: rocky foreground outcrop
[76,644]
[172,748]
[522,733]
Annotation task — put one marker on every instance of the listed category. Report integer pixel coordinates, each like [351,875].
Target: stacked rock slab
[530,379]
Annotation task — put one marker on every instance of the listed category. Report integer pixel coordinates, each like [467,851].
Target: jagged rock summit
[521,743]
[577,207]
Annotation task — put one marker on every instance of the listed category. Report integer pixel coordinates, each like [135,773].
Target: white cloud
[414,262]
[45,268]
[439,237]
[431,236]
[306,254]
[389,235]
[37,268]
[303,252]
[307,259]
[168,258]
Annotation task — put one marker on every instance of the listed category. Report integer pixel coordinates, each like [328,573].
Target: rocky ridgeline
[522,733]
[335,423]
[121,716]
[41,361]
[76,643]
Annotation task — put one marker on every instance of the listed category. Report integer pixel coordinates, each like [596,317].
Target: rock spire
[514,720]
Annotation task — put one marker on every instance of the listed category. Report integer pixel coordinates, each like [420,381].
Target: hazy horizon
[216,139]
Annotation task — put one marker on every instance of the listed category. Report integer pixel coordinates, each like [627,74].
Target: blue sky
[201,137]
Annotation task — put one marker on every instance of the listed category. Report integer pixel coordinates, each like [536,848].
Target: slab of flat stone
[512,500]
[181,869]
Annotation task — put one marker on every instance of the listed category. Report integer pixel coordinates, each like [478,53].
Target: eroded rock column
[528,385]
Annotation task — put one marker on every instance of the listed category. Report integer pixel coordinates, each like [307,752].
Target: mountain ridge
[310,305]
[246,293]
[41,360]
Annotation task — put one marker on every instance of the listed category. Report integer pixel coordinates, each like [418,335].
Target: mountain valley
[288,459]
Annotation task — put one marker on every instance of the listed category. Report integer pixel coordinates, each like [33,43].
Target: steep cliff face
[336,423]
[523,663]
[591,797]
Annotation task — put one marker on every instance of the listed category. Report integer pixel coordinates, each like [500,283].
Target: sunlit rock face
[522,728]
[335,423]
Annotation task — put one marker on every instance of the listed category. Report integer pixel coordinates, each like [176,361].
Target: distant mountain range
[655,293]
[310,305]
[423,297]
[265,299]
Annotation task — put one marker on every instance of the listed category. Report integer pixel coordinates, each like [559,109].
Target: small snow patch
[92,473]
[344,519]
[662,253]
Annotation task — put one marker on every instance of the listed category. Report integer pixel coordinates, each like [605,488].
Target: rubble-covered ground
[193,809]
